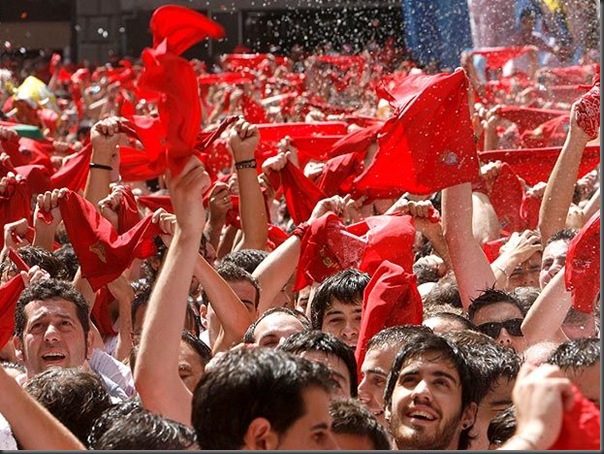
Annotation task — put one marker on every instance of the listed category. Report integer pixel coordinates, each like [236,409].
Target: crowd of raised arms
[311,251]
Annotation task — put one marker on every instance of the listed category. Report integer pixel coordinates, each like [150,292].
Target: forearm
[274,271]
[226,243]
[213,231]
[252,210]
[97,183]
[592,205]
[44,238]
[32,425]
[485,224]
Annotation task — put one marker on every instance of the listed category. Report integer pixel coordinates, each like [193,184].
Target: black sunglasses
[492,329]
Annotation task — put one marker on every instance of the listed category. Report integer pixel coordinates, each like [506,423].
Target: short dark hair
[351,417]
[502,427]
[526,296]
[488,361]
[34,255]
[563,234]
[198,346]
[249,336]
[395,336]
[129,426]
[318,341]
[492,296]
[346,286]
[425,273]
[51,289]
[73,396]
[445,291]
[248,259]
[250,383]
[69,259]
[576,354]
[233,273]
[455,318]
[425,343]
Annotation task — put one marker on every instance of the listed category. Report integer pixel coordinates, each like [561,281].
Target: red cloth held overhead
[496,57]
[315,148]
[127,212]
[588,111]
[582,274]
[529,117]
[15,204]
[274,132]
[182,27]
[580,426]
[339,173]
[506,197]
[552,133]
[154,202]
[103,254]
[536,164]
[9,295]
[37,177]
[74,173]
[427,144]
[301,194]
[390,299]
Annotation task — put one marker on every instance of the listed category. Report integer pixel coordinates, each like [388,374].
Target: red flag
[582,274]
[427,144]
[182,27]
[103,254]
[9,295]
[390,299]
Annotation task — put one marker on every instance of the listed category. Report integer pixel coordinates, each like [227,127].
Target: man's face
[527,273]
[375,369]
[554,258]
[190,366]
[500,313]
[343,321]
[312,431]
[275,327]
[497,400]
[587,379]
[53,336]
[426,410]
[338,372]
[247,294]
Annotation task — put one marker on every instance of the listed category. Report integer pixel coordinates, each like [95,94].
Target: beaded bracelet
[249,164]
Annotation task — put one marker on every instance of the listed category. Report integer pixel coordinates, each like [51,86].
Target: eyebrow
[377,371]
[437,373]
[46,315]
[321,425]
[334,312]
[337,374]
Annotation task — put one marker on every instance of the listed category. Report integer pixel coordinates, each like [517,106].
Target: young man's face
[497,315]
[312,431]
[343,321]
[247,294]
[338,372]
[375,369]
[53,336]
[190,366]
[426,410]
[275,327]
[587,380]
[554,258]
[497,400]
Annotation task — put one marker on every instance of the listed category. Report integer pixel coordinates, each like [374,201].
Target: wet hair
[492,296]
[446,291]
[346,286]
[425,273]
[248,259]
[69,259]
[447,352]
[526,296]
[564,235]
[198,346]
[351,417]
[488,361]
[73,396]
[318,341]
[502,427]
[247,384]
[233,273]
[453,318]
[396,336]
[576,354]
[51,289]
[129,426]
[249,337]
[34,255]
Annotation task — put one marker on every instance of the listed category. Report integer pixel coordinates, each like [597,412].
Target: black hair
[526,296]
[249,336]
[446,291]
[425,273]
[346,286]
[395,336]
[502,427]
[318,341]
[351,417]
[563,234]
[34,255]
[198,346]
[576,354]
[492,296]
[69,259]
[248,259]
[454,318]
[233,273]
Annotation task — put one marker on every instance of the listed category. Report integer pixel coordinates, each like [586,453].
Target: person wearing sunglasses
[499,315]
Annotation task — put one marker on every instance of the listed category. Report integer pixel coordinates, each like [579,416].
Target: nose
[330,443]
[422,391]
[504,337]
[51,334]
[350,330]
[363,391]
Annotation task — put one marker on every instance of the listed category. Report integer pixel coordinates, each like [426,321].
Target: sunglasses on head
[492,329]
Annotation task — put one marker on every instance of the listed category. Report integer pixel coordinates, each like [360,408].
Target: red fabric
[182,27]
[582,274]
[339,173]
[301,194]
[552,133]
[326,248]
[103,254]
[427,144]
[235,62]
[136,165]
[506,197]
[100,312]
[491,248]
[74,173]
[529,210]
[315,148]
[276,236]
[37,151]
[588,111]
[274,132]
[571,75]
[498,56]
[528,117]
[37,177]
[9,295]
[232,78]
[11,148]
[179,108]
[390,299]
[536,164]
[388,238]
[356,141]
[564,93]
[252,110]
[580,426]
[154,202]
[127,212]
[15,204]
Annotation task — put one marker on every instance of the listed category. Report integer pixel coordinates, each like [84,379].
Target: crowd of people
[299,252]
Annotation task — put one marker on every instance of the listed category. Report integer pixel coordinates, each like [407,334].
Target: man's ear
[260,436]
[18,348]
[468,417]
[387,414]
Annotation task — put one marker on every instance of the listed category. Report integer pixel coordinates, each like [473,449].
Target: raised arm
[33,426]
[157,362]
[561,184]
[243,141]
[470,264]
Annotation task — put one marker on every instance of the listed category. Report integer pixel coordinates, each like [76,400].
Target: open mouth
[53,357]
[421,415]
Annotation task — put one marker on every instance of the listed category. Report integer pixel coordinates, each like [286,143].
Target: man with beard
[429,398]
